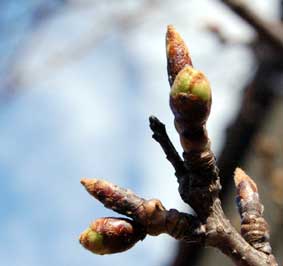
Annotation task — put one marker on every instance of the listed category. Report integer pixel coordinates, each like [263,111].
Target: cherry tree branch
[160,135]
[149,216]
[198,178]
[271,32]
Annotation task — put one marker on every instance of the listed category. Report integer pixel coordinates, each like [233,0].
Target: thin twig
[160,135]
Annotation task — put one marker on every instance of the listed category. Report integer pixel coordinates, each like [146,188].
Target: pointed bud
[190,97]
[113,197]
[247,194]
[111,235]
[246,187]
[254,228]
[127,203]
[177,53]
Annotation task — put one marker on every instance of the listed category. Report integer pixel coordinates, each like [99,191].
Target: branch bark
[198,178]
[271,32]
[160,135]
[150,215]
[219,231]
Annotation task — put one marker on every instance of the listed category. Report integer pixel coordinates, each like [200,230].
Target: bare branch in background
[14,78]
[273,33]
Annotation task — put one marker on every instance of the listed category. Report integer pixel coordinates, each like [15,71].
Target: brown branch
[258,98]
[150,214]
[160,135]
[199,184]
[229,244]
[190,100]
[272,33]
[190,94]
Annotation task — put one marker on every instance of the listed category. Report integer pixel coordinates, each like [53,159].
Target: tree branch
[160,135]
[190,100]
[272,33]
[199,183]
[151,215]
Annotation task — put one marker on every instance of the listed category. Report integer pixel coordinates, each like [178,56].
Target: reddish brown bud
[149,217]
[177,54]
[113,197]
[111,235]
[246,187]
[150,213]
[254,228]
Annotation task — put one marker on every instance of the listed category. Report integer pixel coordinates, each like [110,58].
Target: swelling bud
[190,97]
[111,235]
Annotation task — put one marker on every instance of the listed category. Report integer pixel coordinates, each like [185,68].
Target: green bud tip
[110,235]
[193,82]
[93,241]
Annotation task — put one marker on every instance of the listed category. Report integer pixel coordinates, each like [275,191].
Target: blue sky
[84,82]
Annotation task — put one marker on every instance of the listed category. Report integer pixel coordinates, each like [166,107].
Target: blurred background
[78,81]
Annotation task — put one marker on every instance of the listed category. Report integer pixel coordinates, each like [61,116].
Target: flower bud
[111,235]
[254,227]
[192,82]
[190,96]
[177,53]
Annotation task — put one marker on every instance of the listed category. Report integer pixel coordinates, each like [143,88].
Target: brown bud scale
[111,235]
[254,228]
[113,197]
[149,213]
[177,53]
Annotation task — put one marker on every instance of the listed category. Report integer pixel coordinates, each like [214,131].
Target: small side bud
[113,197]
[111,235]
[254,228]
[177,54]
[150,214]
[246,187]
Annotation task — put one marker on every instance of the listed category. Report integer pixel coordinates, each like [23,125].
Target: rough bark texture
[258,98]
[197,175]
[150,215]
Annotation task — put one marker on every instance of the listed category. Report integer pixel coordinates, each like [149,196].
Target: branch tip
[89,183]
[254,227]
[84,181]
[240,176]
[154,122]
